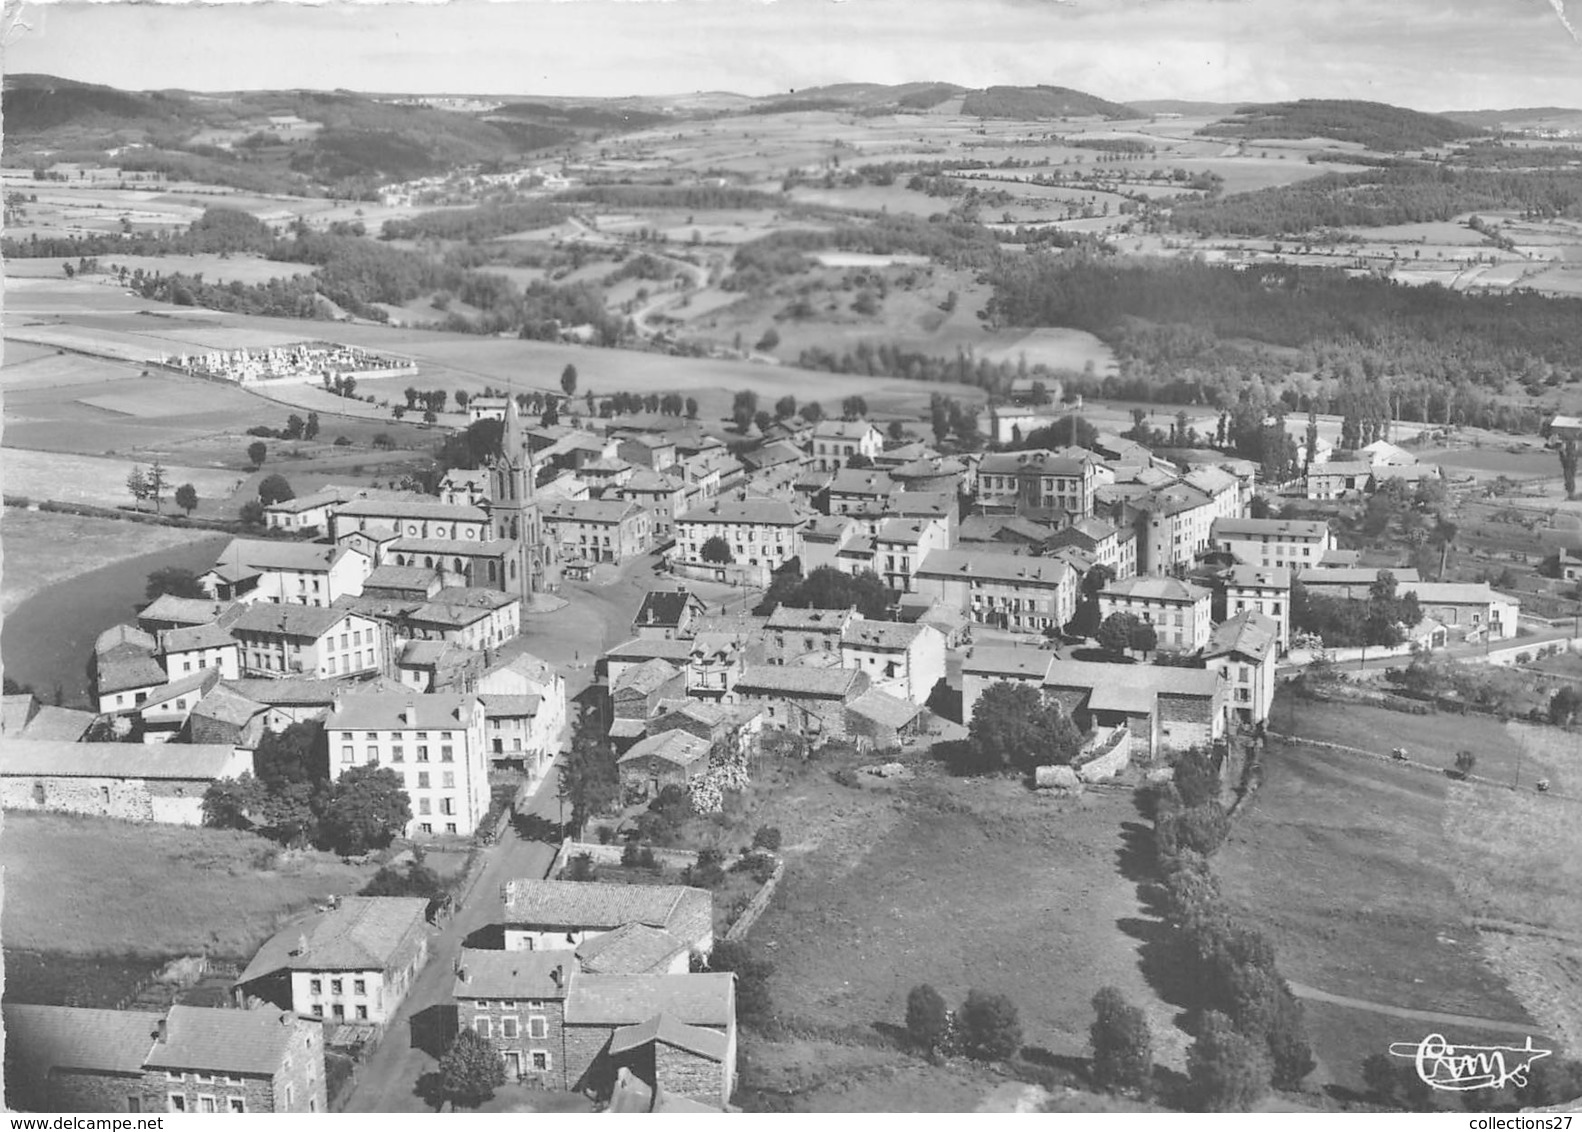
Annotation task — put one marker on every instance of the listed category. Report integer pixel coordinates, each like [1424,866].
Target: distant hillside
[859,97]
[588,116]
[1035,102]
[34,103]
[1185,108]
[1375,125]
[1523,118]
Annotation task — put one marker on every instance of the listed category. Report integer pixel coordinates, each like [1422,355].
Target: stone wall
[129,799]
[68,1091]
[1110,758]
[553,1042]
[755,906]
[688,1075]
[585,1060]
[257,1094]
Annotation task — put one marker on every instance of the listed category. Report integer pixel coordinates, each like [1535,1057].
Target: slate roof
[42,758]
[387,577]
[1452,593]
[1037,461]
[989,660]
[1274,528]
[304,692]
[309,621]
[842,430]
[200,682]
[985,566]
[650,675]
[237,1042]
[631,949]
[512,974]
[1130,688]
[651,648]
[704,999]
[183,610]
[988,528]
[15,711]
[828,620]
[211,636]
[279,554]
[881,634]
[509,706]
[593,510]
[366,933]
[687,913]
[762,512]
[885,709]
[1150,588]
[226,705]
[906,531]
[788,680]
[533,668]
[320,498]
[1356,576]
[123,673]
[862,481]
[129,637]
[385,711]
[679,748]
[663,1027]
[665,607]
[44,1038]
[429,508]
[58,724]
[1259,577]
[922,504]
[1250,633]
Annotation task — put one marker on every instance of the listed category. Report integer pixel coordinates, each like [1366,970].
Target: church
[514,516]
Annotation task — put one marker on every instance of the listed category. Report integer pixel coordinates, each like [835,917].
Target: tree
[471,1070]
[990,1027]
[1564,706]
[137,484]
[157,482]
[1117,631]
[274,489]
[1014,727]
[829,588]
[853,407]
[1229,1072]
[785,407]
[311,429]
[256,452]
[187,498]
[1465,762]
[762,420]
[368,808]
[859,461]
[1069,431]
[1145,638]
[769,341]
[295,426]
[568,380]
[812,412]
[1568,467]
[174,580]
[753,1002]
[692,408]
[1196,777]
[252,513]
[589,778]
[1123,1057]
[716,549]
[926,1017]
[896,432]
[743,408]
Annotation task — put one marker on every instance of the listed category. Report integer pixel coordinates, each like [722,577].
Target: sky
[1428,54]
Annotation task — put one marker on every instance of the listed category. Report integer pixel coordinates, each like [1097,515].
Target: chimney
[409,715]
[557,976]
[162,1031]
[335,702]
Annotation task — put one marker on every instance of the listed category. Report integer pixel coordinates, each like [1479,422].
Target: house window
[397,754]
[373,753]
[318,1010]
[426,827]
[538,1026]
[481,1025]
[178,1102]
[422,753]
[335,986]
[509,1027]
[448,780]
[134,1104]
[315,986]
[422,780]
[235,1104]
[450,827]
[447,754]
[347,754]
[339,1012]
[540,1061]
[424,807]
[208,1104]
[359,986]
[362,1013]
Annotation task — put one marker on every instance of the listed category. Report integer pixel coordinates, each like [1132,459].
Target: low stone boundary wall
[759,902]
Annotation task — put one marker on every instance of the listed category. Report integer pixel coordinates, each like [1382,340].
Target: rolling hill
[1036,102]
[1373,125]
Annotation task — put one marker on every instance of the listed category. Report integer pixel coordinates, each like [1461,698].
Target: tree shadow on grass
[1135,858]
[894,1035]
[1165,965]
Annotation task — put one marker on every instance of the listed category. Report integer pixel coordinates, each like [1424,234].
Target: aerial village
[828,585]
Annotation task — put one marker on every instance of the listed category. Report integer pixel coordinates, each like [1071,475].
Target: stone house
[1244,650]
[293,640]
[198,648]
[553,915]
[1006,591]
[669,758]
[1178,611]
[834,443]
[669,614]
[600,530]
[1297,544]
[791,634]
[289,573]
[983,665]
[1266,591]
[810,701]
[901,545]
[528,675]
[1166,709]
[415,584]
[162,782]
[640,690]
[905,660]
[187,1060]
[351,962]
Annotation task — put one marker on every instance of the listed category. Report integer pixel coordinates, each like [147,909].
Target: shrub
[1122,1043]
[707,872]
[343,442]
[605,834]
[926,1017]
[991,1029]
[753,1004]
[767,837]
[1196,778]
[1465,762]
[582,868]
[1229,1071]
[631,856]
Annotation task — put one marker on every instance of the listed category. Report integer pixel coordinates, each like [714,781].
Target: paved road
[385,1082]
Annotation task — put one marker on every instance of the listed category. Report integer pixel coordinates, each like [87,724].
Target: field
[42,548]
[87,886]
[100,480]
[870,907]
[1432,739]
[1361,874]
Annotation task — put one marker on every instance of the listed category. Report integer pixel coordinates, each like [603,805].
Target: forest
[1403,193]
[1374,125]
[1034,102]
[485,222]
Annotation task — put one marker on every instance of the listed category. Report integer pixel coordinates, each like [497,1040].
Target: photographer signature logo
[1461,1069]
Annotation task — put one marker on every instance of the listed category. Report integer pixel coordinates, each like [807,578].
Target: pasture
[92,886]
[214,268]
[1354,869]
[101,481]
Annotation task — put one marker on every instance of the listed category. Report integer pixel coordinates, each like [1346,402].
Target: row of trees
[1380,619]
[150,483]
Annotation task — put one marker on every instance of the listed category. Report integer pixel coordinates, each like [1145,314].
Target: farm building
[163,782]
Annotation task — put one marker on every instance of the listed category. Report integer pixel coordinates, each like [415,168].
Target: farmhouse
[402,583]
[351,962]
[669,614]
[670,758]
[162,782]
[554,915]
[791,634]
[299,573]
[1294,543]
[1178,611]
[904,660]
[1353,583]
[1466,608]
[810,701]
[434,742]
[1337,479]
[188,1059]
[1244,649]
[307,514]
[1166,709]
